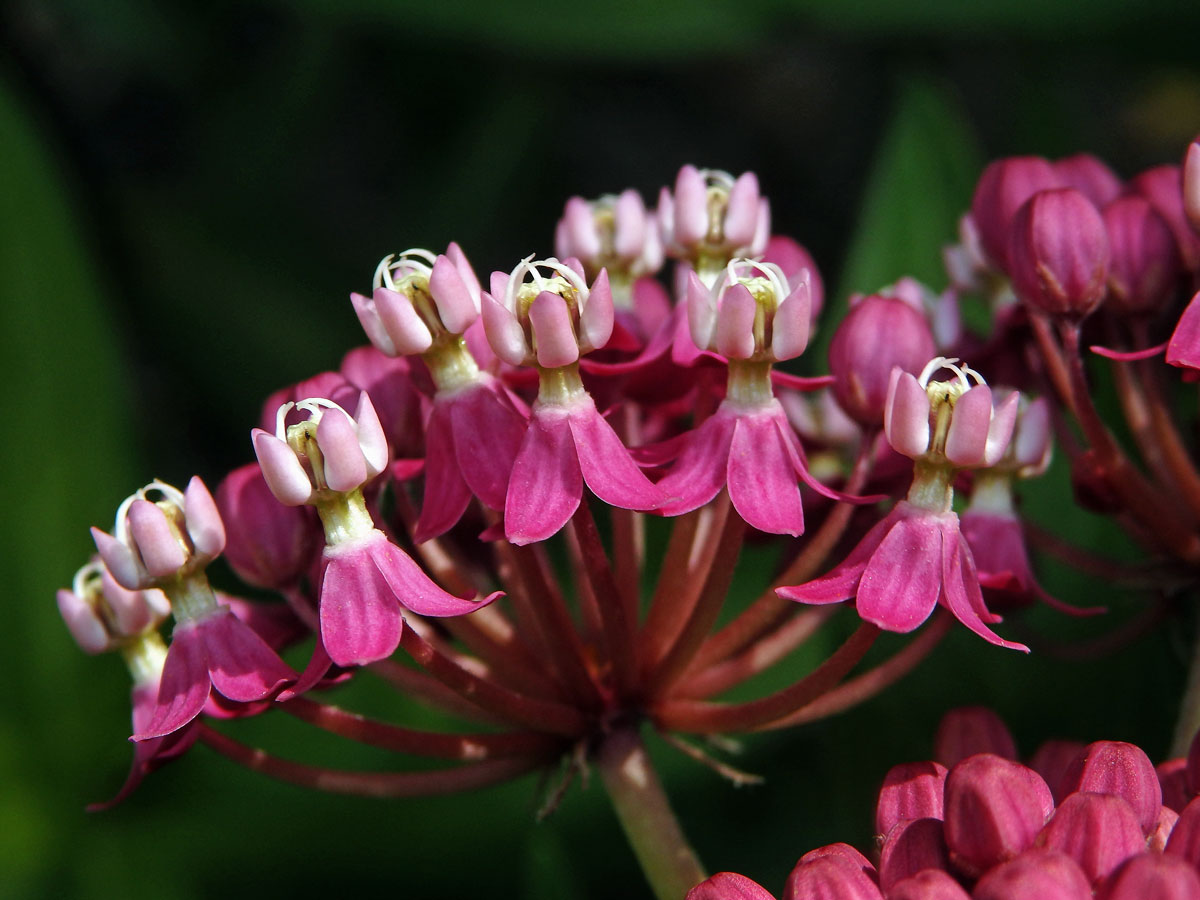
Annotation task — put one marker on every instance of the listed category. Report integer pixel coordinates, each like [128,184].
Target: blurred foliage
[190,190]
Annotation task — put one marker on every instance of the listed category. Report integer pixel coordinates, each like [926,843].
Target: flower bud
[1052,760]
[1163,186]
[728,886]
[994,810]
[910,791]
[1122,770]
[829,877]
[1003,188]
[1035,875]
[390,382]
[1089,176]
[1152,875]
[1098,831]
[1058,254]
[793,257]
[1173,779]
[911,847]
[1143,262]
[330,451]
[154,539]
[876,336]
[932,884]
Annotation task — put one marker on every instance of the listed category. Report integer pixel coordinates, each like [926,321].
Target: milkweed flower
[544,314]
[917,558]
[711,217]
[366,580]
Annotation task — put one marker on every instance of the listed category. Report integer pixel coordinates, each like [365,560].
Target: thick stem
[666,857]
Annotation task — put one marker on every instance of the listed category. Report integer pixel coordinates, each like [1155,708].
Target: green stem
[658,842]
[1188,722]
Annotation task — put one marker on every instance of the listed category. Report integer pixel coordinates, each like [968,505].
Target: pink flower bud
[1090,177]
[1038,874]
[846,852]
[968,730]
[878,334]
[1058,254]
[728,886]
[994,810]
[1098,831]
[270,545]
[1052,760]
[1163,187]
[1122,770]
[1003,188]
[793,258]
[1151,875]
[1143,261]
[912,846]
[910,791]
[830,877]
[932,884]
[1173,779]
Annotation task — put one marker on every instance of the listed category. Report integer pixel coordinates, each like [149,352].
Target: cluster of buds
[1077,822]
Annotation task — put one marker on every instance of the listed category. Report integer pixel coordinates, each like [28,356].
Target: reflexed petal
[184,686]
[487,436]
[605,463]
[241,664]
[956,591]
[546,484]
[446,491]
[413,588]
[702,468]
[900,586]
[360,615]
[762,479]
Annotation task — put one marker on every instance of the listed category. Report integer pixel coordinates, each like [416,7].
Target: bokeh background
[188,192]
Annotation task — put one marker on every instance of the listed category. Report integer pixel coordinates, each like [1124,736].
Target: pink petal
[446,491]
[966,440]
[762,478]
[360,616]
[465,272]
[413,588]
[371,439]
[701,311]
[284,474]
[1004,418]
[691,206]
[793,320]
[546,484]
[119,560]
[204,525]
[581,228]
[605,463]
[741,214]
[504,333]
[161,552]
[456,306]
[702,468]
[345,467]
[959,583]
[1184,347]
[597,317]
[82,621]
[184,686]
[842,582]
[487,436]
[368,317]
[735,323]
[241,664]
[404,327]
[553,334]
[906,414]
[629,224]
[903,578]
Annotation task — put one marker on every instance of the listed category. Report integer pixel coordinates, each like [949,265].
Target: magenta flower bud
[1122,770]
[1151,875]
[270,545]
[994,810]
[1058,254]
[729,886]
[1038,874]
[1191,184]
[160,538]
[1185,836]
[1173,779]
[1003,188]
[932,884]
[846,852]
[552,318]
[1163,186]
[1098,831]
[1143,261]
[830,877]
[711,217]
[911,847]
[1090,177]
[792,257]
[876,336]
[910,791]
[1052,760]
[969,730]
[390,383]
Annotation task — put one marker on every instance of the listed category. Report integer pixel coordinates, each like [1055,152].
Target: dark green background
[188,192]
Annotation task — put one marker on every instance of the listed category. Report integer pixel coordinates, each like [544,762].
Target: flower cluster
[1076,822]
[474,489]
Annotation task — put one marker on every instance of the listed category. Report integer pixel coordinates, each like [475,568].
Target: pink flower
[711,217]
